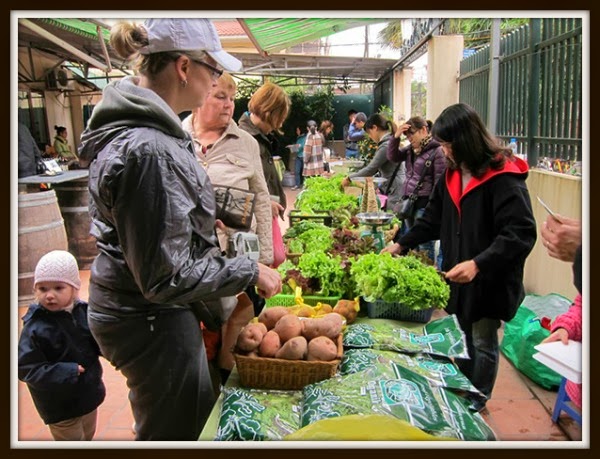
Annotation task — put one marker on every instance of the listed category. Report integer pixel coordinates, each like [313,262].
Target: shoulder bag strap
[393,176]
[428,165]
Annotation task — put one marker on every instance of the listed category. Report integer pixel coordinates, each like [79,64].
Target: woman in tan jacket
[231,157]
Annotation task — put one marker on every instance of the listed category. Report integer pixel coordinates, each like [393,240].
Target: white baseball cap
[188,35]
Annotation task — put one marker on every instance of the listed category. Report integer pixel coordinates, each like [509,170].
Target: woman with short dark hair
[425,164]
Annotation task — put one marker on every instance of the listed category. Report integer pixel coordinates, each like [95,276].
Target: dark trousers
[257,300]
[298,172]
[162,356]
[427,247]
[482,344]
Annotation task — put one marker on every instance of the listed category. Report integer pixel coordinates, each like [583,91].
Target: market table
[65,176]
[210,428]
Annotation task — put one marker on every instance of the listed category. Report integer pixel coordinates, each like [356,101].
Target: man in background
[351,146]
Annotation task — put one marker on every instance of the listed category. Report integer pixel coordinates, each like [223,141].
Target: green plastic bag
[521,334]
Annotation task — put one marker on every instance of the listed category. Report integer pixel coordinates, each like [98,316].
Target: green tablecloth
[210,428]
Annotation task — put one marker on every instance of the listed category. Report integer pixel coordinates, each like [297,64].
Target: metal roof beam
[294,69]
[264,64]
[341,78]
[104,50]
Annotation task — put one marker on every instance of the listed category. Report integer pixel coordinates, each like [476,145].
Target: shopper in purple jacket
[422,149]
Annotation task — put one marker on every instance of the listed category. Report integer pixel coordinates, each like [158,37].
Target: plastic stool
[561,404]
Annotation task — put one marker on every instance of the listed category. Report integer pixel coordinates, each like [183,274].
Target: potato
[321,326]
[338,322]
[288,327]
[321,348]
[294,349]
[303,311]
[270,316]
[251,336]
[348,309]
[323,308]
[269,345]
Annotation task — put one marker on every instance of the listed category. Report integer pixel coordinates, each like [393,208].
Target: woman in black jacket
[481,212]
[159,269]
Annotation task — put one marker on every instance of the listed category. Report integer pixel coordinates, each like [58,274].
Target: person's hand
[80,369]
[276,209]
[220,225]
[346,181]
[400,130]
[561,239]
[560,334]
[394,249]
[463,273]
[269,281]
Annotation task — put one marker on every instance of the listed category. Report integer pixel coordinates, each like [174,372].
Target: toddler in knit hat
[56,280]
[58,355]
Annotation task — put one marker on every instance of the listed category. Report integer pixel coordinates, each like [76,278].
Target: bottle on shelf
[515,149]
[513,146]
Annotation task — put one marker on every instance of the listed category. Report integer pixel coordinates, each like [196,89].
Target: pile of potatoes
[281,334]
[346,308]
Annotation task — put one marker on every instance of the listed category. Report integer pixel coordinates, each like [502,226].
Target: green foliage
[298,116]
[366,149]
[476,31]
[386,111]
[418,106]
[403,280]
[392,34]
[322,194]
[328,270]
[320,104]
[245,89]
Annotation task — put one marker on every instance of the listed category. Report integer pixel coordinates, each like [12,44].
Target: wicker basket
[290,300]
[380,309]
[270,373]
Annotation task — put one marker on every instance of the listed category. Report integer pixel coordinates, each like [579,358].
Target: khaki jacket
[234,160]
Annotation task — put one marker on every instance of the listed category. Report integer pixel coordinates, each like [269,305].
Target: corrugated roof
[78,27]
[273,35]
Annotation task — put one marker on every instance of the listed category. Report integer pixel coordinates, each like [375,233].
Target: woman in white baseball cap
[159,270]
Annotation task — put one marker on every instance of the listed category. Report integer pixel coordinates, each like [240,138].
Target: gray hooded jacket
[152,209]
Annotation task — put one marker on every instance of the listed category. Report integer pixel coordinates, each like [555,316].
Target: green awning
[78,27]
[273,35]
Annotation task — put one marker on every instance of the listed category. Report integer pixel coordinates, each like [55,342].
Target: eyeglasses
[215,72]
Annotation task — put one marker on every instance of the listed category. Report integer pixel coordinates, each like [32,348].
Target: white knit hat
[58,266]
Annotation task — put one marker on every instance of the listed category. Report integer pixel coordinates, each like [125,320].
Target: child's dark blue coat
[51,346]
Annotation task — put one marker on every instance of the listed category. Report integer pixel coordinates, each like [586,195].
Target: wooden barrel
[73,200]
[41,229]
